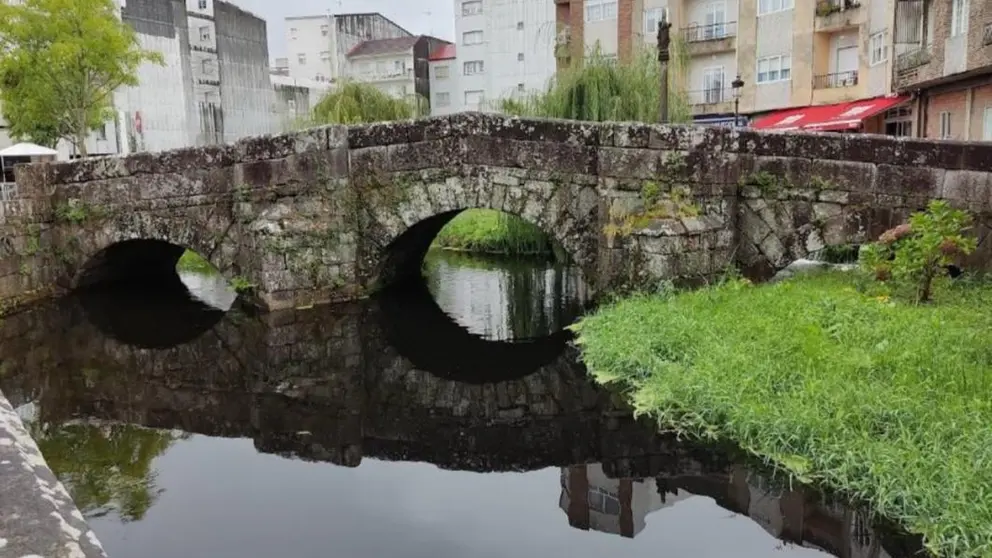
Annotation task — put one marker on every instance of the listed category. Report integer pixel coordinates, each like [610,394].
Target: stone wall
[330,213]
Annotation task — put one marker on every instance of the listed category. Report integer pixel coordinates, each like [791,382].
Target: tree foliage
[354,102]
[600,89]
[60,63]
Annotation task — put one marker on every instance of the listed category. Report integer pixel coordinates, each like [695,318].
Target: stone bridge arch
[142,245]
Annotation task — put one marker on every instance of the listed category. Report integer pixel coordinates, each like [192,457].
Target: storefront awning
[842,116]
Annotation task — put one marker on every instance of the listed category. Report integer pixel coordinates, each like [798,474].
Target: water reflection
[502,298]
[310,430]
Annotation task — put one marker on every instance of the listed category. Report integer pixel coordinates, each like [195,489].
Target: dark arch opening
[133,292]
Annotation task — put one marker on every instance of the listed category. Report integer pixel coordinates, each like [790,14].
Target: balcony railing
[839,79]
[913,59]
[826,8]
[712,32]
[710,96]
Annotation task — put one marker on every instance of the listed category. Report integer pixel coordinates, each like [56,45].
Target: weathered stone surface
[327,213]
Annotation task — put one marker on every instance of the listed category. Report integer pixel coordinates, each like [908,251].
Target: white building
[295,99]
[505,48]
[386,63]
[446,93]
[317,46]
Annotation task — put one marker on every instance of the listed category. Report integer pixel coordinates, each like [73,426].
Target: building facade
[789,54]
[505,48]
[944,58]
[446,92]
[295,99]
[399,67]
[317,46]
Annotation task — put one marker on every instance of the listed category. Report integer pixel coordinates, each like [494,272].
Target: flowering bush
[913,255]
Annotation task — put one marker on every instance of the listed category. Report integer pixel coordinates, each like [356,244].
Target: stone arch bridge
[329,213]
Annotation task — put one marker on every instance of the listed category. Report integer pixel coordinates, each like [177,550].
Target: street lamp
[737,84]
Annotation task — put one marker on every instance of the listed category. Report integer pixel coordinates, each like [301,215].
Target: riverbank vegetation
[492,232]
[191,262]
[875,383]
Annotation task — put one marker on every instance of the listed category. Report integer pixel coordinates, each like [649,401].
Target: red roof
[842,116]
[384,46]
[443,52]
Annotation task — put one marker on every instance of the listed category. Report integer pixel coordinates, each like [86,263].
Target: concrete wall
[332,213]
[247,97]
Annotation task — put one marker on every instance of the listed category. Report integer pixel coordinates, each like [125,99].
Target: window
[325,55]
[208,66]
[442,99]
[520,57]
[202,4]
[365,68]
[713,84]
[651,20]
[205,33]
[441,72]
[473,67]
[716,18]
[987,124]
[959,18]
[291,104]
[472,38]
[879,51]
[302,59]
[472,7]
[772,6]
[325,30]
[292,33]
[101,132]
[320,77]
[774,68]
[475,98]
[601,10]
[945,125]
[899,128]
[603,502]
[520,87]
[520,26]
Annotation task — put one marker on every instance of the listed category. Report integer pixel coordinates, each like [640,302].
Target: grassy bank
[887,401]
[195,263]
[492,232]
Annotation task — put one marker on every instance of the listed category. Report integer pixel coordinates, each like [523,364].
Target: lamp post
[737,84]
[664,45]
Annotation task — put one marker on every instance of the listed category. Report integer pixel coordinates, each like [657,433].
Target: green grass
[492,232]
[192,262]
[887,402]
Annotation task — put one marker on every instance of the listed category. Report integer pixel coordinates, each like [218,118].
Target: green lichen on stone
[764,182]
[77,212]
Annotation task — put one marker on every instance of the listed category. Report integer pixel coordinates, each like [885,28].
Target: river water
[449,419]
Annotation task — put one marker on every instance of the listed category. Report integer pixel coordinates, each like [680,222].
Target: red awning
[842,116]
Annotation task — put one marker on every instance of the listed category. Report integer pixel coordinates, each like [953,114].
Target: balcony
[833,81]
[711,101]
[710,39]
[836,15]
[910,67]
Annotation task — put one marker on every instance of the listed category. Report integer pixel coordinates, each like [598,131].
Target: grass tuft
[890,403]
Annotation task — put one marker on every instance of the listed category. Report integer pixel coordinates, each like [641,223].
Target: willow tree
[598,88]
[355,102]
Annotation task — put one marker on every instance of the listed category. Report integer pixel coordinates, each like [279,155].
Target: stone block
[891,179]
[617,162]
[972,187]
[844,176]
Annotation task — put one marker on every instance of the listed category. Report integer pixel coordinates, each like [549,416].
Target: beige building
[790,55]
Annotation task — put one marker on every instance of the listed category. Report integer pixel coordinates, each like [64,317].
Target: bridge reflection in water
[393,379]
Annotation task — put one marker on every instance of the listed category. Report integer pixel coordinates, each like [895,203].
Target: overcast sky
[428,17]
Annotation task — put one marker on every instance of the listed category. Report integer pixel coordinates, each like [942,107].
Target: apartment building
[317,46]
[447,96]
[505,48]
[398,67]
[944,58]
[819,64]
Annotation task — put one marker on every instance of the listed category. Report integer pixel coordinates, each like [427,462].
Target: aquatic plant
[884,400]
[193,262]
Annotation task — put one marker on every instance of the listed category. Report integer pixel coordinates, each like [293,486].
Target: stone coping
[38,518]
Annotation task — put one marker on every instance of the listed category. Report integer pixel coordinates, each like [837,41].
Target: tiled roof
[443,52]
[383,46]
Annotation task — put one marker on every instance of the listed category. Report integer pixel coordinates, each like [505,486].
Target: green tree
[60,63]
[599,89]
[105,467]
[354,102]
